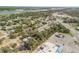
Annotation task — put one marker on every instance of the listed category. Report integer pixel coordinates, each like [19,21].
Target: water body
[19,11]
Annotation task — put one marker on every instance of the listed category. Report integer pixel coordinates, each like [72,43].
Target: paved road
[72,30]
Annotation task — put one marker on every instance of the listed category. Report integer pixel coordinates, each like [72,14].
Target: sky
[52,3]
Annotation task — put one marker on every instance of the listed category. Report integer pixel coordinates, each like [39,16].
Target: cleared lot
[53,43]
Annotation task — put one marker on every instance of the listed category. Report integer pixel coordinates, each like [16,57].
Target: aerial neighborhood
[39,30]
